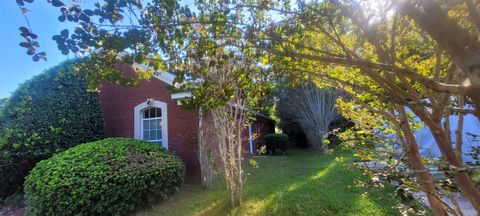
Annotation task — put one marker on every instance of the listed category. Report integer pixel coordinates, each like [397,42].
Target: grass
[302,183]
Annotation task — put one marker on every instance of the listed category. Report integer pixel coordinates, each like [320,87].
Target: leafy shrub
[335,127]
[276,141]
[106,177]
[45,115]
[3,101]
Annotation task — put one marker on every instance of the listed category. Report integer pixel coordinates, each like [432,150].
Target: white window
[151,122]
[152,125]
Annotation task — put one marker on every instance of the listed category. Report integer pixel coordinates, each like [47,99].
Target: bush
[336,127]
[106,177]
[3,101]
[45,115]
[276,141]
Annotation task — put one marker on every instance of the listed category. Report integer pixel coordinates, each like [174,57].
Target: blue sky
[16,65]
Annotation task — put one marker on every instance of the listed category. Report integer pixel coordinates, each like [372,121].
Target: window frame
[139,119]
[150,119]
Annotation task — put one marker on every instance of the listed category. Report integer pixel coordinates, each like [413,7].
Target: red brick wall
[118,103]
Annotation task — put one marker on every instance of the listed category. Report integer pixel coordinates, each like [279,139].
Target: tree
[390,66]
[390,56]
[228,86]
[312,108]
[204,152]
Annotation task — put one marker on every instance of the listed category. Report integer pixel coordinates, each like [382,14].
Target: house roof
[164,76]
[169,78]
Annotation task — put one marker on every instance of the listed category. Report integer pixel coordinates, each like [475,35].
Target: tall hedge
[45,115]
[106,177]
[3,101]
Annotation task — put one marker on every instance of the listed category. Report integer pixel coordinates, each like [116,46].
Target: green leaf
[25,44]
[57,3]
[24,30]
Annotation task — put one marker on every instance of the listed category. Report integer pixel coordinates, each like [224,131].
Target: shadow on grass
[302,183]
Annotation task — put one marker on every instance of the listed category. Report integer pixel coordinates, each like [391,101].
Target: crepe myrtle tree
[393,65]
[392,56]
[229,122]
[227,85]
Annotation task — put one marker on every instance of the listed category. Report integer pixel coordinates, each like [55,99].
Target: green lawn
[302,183]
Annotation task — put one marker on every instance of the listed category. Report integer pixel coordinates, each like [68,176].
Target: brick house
[150,112]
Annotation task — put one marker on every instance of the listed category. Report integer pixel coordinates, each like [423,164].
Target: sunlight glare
[377,10]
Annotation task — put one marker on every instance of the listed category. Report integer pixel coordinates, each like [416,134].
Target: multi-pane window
[152,125]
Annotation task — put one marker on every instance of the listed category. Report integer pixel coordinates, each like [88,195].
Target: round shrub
[47,114]
[106,177]
[276,141]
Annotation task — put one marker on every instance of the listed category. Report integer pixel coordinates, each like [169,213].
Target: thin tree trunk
[205,166]
[458,131]
[229,122]
[415,163]
[461,178]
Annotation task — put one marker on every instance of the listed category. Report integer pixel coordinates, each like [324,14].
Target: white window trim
[181,95]
[143,129]
[138,120]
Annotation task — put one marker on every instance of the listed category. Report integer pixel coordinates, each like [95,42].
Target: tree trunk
[205,165]
[461,178]
[229,122]
[415,163]
[459,130]
[425,179]
[314,138]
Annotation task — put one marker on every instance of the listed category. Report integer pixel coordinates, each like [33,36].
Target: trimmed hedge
[47,114]
[107,177]
[276,141]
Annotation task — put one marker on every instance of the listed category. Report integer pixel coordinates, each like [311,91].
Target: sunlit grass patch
[301,183]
